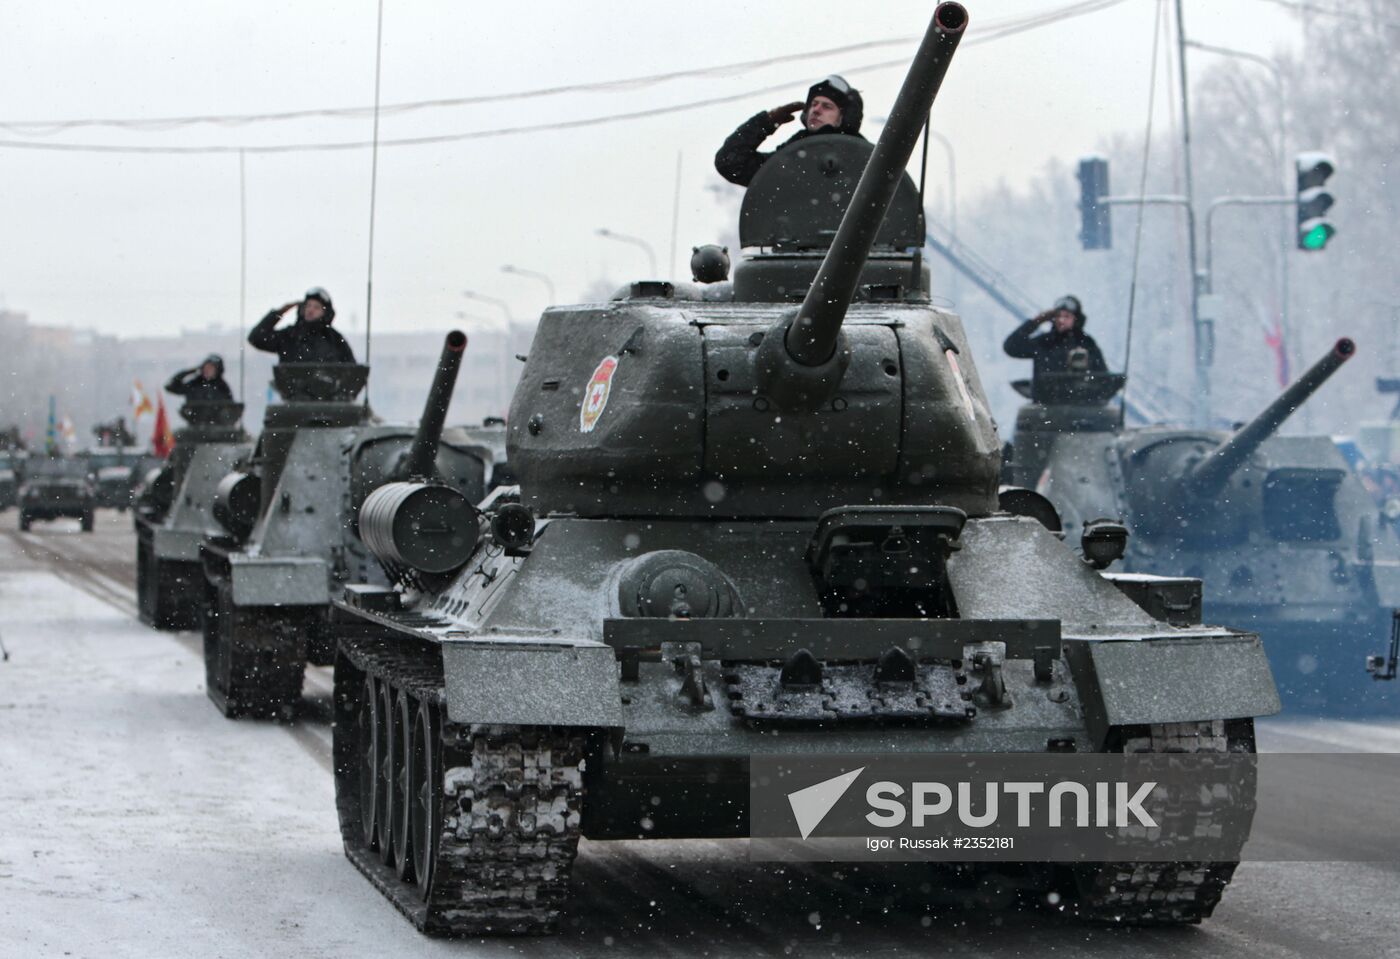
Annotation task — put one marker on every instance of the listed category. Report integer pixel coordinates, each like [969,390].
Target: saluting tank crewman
[310,339]
[203,383]
[1052,350]
[832,106]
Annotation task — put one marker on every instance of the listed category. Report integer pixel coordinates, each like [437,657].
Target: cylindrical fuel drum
[237,502]
[423,526]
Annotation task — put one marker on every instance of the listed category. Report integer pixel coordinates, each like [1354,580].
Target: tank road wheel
[368,742]
[388,736]
[251,667]
[486,818]
[424,766]
[405,712]
[1175,893]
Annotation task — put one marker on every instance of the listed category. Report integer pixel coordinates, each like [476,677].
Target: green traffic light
[1316,236]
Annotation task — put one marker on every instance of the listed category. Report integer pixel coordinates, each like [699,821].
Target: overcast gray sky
[140,244]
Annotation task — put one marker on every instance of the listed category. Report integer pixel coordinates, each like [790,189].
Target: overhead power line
[1008,28]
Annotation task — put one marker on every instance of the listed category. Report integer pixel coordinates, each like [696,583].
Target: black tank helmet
[318,293]
[218,362]
[1072,304]
[838,91]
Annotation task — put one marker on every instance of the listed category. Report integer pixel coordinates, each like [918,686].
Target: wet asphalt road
[138,822]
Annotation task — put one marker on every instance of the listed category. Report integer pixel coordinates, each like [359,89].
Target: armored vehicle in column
[754,524]
[290,535]
[55,487]
[11,468]
[1280,528]
[173,513]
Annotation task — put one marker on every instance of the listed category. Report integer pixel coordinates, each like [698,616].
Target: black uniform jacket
[195,388]
[1051,350]
[739,158]
[302,342]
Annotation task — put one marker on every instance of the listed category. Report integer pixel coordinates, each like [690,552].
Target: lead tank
[173,513]
[290,538]
[756,519]
[1280,528]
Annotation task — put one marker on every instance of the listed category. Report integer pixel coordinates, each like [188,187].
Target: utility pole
[1203,336]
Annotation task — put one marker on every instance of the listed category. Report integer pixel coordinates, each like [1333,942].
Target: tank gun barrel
[422,455]
[1208,477]
[811,339]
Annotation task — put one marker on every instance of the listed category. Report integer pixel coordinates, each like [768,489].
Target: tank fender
[1187,679]
[532,684]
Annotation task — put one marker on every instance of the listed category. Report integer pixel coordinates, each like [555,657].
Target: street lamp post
[534,275]
[1279,153]
[634,241]
[507,352]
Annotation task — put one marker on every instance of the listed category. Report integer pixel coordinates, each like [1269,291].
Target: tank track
[252,666]
[510,805]
[1172,893]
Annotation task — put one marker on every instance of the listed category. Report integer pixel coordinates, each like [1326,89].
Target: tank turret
[1209,476]
[825,380]
[803,361]
[1176,480]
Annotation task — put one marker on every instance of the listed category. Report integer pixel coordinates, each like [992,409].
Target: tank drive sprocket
[467,829]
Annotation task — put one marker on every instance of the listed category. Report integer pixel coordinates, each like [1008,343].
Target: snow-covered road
[136,821]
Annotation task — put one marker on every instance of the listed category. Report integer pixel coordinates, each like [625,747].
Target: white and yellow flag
[140,402]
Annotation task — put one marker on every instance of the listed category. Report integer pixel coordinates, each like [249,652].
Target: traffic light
[1313,201]
[1096,229]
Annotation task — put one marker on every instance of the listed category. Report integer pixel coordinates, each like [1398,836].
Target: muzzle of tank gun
[1208,477]
[421,461]
[802,359]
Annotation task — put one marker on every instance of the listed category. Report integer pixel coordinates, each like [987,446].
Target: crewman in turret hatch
[832,106]
[310,339]
[203,383]
[1054,350]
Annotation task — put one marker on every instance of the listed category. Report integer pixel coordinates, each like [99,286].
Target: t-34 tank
[292,526]
[172,513]
[747,526]
[1280,528]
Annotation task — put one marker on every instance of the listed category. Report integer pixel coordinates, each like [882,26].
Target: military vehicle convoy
[289,534]
[112,468]
[54,487]
[749,522]
[173,513]
[1280,528]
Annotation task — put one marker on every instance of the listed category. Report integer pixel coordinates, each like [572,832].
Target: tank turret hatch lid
[1071,389]
[211,412]
[798,197]
[323,382]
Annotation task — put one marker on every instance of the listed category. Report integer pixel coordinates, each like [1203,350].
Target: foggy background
[115,264]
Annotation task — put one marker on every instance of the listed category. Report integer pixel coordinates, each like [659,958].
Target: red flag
[162,439]
[1274,337]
